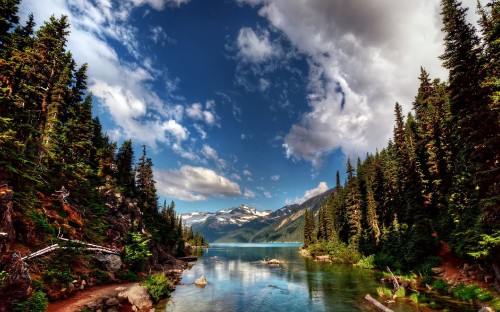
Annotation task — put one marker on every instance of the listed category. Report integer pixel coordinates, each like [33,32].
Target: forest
[437,181]
[61,177]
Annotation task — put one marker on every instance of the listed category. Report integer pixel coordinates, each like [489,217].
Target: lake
[238,281]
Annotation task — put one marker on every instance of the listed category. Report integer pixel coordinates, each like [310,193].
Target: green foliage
[136,250]
[36,303]
[471,293]
[101,277]
[366,262]
[440,285]
[128,275]
[400,292]
[384,292]
[159,286]
[3,276]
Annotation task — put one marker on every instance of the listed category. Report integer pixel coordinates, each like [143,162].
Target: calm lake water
[238,281]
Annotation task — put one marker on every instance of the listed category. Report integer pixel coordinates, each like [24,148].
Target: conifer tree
[125,175]
[353,206]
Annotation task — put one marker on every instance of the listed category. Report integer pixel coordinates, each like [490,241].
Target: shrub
[400,293]
[36,303]
[129,276]
[440,285]
[414,298]
[136,250]
[384,292]
[3,276]
[159,286]
[366,262]
[471,293]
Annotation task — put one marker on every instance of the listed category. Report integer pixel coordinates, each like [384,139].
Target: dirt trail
[452,268]
[77,302]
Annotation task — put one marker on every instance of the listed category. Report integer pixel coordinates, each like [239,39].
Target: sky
[255,102]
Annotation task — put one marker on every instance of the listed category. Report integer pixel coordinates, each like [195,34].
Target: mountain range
[246,224]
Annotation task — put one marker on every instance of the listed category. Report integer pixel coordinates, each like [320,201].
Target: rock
[111,262]
[273,261]
[437,270]
[17,285]
[71,287]
[113,301]
[322,258]
[202,281]
[82,285]
[94,305]
[138,296]
[486,309]
[113,309]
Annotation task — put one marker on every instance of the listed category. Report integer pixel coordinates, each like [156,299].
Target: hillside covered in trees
[437,181]
[61,177]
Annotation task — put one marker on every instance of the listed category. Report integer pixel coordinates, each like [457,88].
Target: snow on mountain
[236,215]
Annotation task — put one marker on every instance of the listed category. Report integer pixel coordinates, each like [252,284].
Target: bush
[136,250]
[384,292]
[159,286]
[36,303]
[414,298]
[440,285]
[129,276]
[3,276]
[366,262]
[400,293]
[471,293]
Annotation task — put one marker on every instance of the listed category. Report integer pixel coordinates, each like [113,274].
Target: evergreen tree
[146,189]
[125,174]
[353,206]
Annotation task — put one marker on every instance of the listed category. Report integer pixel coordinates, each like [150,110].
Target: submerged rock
[202,281]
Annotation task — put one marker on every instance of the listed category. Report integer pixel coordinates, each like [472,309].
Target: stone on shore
[202,281]
[273,261]
[437,270]
[138,296]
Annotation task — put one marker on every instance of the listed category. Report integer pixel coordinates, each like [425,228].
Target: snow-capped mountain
[236,215]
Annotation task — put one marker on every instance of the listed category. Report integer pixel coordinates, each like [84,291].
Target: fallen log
[380,306]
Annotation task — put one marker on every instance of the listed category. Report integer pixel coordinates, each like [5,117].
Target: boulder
[113,301]
[138,296]
[17,285]
[486,309]
[273,261]
[437,270]
[202,281]
[111,262]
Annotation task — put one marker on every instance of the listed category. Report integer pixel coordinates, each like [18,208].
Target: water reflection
[239,281]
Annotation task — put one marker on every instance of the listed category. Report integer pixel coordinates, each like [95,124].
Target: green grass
[471,293]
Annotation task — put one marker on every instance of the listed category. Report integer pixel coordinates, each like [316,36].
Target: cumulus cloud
[321,188]
[210,153]
[275,177]
[255,47]
[248,193]
[121,88]
[197,112]
[364,56]
[194,184]
[247,173]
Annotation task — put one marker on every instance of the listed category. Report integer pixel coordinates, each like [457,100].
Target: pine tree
[125,175]
[353,206]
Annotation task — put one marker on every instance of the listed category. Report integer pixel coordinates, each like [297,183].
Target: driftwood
[394,280]
[380,306]
[90,247]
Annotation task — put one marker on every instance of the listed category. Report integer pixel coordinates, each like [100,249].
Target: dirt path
[77,302]
[452,268]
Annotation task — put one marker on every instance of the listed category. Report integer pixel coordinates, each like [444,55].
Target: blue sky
[253,102]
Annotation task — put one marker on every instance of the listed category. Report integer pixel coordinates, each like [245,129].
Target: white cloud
[243,136]
[248,193]
[123,89]
[159,4]
[275,177]
[255,47]
[199,129]
[321,188]
[194,184]
[364,56]
[210,153]
[207,115]
[267,195]
[235,176]
[247,173]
